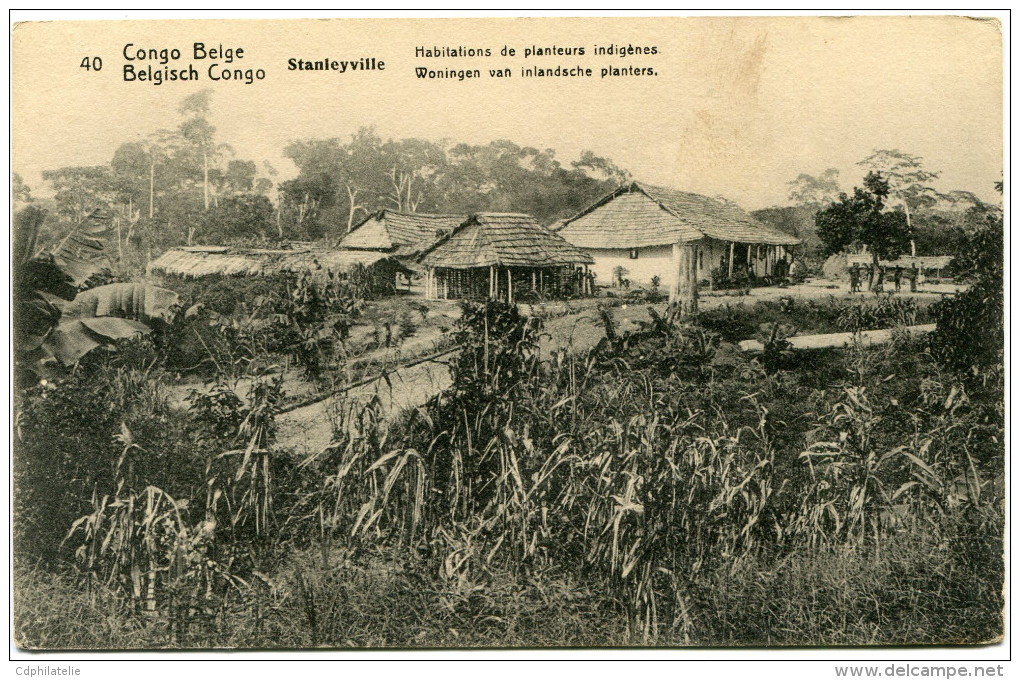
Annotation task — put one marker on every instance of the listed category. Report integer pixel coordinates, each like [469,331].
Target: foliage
[861,219]
[660,489]
[815,192]
[736,322]
[908,179]
[164,190]
[66,452]
[799,221]
[970,326]
[238,216]
[342,181]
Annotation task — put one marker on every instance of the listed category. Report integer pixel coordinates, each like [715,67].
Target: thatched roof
[197,261]
[402,234]
[639,215]
[504,240]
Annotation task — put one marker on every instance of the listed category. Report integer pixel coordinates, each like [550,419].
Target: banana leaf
[101,316]
[137,301]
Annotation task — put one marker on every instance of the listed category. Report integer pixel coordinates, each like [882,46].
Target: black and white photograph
[509,333]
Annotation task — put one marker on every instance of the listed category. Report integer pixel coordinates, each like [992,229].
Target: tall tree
[862,219]
[198,136]
[909,181]
[815,191]
[80,189]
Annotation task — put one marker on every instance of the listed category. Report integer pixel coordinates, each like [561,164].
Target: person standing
[855,278]
[879,286]
[897,277]
[912,275]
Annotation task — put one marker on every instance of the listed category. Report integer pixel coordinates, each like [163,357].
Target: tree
[862,220]
[970,326]
[198,137]
[908,180]
[242,216]
[600,168]
[80,189]
[812,191]
[239,176]
[20,192]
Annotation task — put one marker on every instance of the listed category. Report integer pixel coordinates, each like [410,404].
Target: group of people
[868,272]
[782,270]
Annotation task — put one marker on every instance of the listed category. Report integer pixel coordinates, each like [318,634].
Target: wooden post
[732,248]
[534,278]
[492,281]
[711,270]
[509,286]
[684,288]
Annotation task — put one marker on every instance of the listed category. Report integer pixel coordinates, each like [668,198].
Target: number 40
[92,64]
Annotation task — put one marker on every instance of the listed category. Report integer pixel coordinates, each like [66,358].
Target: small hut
[374,271]
[400,234]
[504,256]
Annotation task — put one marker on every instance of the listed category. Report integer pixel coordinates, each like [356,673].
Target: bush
[969,334]
[66,449]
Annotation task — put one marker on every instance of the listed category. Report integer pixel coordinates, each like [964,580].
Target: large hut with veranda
[677,236]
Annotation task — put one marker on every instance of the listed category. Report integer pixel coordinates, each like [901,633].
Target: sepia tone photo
[558,332]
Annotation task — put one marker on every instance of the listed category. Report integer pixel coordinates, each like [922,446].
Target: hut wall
[658,261]
[473,284]
[461,284]
[651,261]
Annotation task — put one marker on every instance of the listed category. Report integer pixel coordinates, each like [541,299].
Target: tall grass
[640,471]
[659,489]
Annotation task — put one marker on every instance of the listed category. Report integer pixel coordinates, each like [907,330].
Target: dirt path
[310,428]
[582,330]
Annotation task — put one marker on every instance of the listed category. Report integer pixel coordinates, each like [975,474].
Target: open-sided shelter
[502,256]
[375,271]
[654,231]
[930,265]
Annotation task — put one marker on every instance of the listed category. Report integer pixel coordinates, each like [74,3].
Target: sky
[738,106]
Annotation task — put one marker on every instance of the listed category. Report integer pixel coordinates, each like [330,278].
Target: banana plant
[54,324]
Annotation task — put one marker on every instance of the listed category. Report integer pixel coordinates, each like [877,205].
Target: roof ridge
[665,207]
[404,213]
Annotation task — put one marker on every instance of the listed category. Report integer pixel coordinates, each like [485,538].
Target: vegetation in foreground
[662,489]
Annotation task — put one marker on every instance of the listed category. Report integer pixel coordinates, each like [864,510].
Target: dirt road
[310,428]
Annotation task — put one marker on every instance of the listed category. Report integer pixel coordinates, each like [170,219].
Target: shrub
[66,449]
[969,334]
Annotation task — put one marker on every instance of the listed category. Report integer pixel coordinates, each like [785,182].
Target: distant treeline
[341,182]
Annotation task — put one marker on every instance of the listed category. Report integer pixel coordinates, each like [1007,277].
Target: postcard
[508,333]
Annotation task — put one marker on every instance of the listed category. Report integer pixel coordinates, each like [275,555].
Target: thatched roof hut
[401,234]
[645,215]
[496,254]
[644,233]
[374,269]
